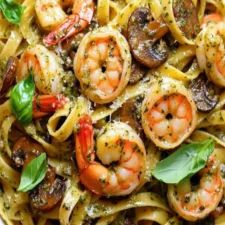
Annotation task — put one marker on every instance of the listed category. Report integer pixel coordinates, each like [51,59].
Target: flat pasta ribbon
[72,112]
[105,208]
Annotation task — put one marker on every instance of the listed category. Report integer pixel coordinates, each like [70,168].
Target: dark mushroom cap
[186,17]
[49,192]
[204,93]
[25,150]
[8,77]
[143,37]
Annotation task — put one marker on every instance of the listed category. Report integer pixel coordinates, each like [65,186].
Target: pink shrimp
[168,113]
[210,48]
[46,71]
[117,143]
[194,205]
[81,16]
[213,17]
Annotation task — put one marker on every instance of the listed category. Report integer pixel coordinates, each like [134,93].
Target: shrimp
[200,51]
[45,68]
[168,117]
[210,49]
[102,64]
[52,17]
[44,105]
[213,17]
[46,71]
[119,148]
[193,204]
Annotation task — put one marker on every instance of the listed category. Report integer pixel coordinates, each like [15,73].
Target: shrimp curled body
[45,68]
[103,64]
[47,72]
[52,18]
[168,113]
[119,148]
[195,205]
[210,48]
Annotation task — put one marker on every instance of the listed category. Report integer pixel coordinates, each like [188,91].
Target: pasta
[112,112]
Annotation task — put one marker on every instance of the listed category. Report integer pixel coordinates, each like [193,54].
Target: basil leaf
[11,11]
[33,173]
[21,98]
[184,162]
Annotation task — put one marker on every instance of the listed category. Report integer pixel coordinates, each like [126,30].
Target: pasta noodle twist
[112,112]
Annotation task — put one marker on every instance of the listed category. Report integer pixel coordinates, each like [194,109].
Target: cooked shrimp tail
[63,31]
[73,24]
[85,142]
[45,104]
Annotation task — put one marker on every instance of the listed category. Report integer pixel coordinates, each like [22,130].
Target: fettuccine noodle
[119,85]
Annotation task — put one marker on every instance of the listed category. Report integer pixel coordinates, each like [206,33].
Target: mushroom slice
[144,36]
[182,20]
[137,72]
[186,17]
[128,114]
[8,76]
[49,192]
[24,150]
[169,114]
[204,95]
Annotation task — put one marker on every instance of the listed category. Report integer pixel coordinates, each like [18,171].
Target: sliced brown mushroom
[8,77]
[49,192]
[137,72]
[25,150]
[128,114]
[186,17]
[144,37]
[204,95]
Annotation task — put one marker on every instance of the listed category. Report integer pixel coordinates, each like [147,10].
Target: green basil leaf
[184,162]
[21,98]
[11,11]
[33,173]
